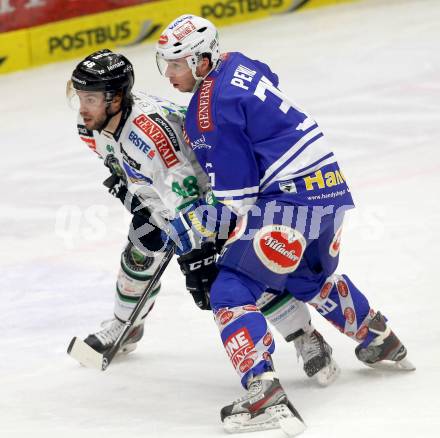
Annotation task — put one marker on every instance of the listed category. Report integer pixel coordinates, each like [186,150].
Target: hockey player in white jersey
[154,173]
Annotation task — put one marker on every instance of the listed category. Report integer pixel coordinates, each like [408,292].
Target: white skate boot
[103,340]
[317,357]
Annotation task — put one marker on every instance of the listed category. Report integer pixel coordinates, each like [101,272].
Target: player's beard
[97,123]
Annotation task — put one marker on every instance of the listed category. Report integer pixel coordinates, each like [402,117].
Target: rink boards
[124,27]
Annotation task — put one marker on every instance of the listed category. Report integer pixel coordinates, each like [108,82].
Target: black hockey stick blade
[85,354]
[89,357]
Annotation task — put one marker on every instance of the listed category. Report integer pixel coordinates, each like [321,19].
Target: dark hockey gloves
[117,187]
[144,235]
[200,271]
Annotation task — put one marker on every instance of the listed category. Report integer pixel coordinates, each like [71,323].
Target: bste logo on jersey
[141,144]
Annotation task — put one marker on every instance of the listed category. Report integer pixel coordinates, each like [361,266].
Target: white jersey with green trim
[156,163]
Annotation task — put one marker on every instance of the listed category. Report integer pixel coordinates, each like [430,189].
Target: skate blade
[85,354]
[400,365]
[128,348]
[275,417]
[327,375]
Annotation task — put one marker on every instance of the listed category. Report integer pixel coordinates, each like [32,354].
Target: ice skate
[385,350]
[316,354]
[102,341]
[265,406]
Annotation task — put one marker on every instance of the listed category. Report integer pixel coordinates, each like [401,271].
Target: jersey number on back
[266,85]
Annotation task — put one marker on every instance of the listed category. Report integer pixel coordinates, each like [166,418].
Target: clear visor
[79,99]
[172,67]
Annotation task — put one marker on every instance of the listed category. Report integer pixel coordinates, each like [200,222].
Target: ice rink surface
[370,75]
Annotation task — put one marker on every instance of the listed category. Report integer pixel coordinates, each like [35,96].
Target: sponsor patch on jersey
[200,143]
[167,129]
[318,180]
[141,145]
[279,248]
[287,186]
[90,142]
[87,137]
[83,131]
[335,244]
[204,116]
[131,161]
[239,345]
[184,30]
[135,177]
[162,142]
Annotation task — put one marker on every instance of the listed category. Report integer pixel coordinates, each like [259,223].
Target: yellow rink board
[124,27]
[14,51]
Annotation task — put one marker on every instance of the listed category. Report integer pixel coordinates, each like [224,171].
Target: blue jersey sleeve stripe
[289,160]
[239,207]
[236,192]
[310,166]
[292,151]
[235,198]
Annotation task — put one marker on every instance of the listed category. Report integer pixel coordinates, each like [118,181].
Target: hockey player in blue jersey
[270,166]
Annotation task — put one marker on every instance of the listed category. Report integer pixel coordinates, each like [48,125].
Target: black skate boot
[265,406]
[317,357]
[385,350]
[102,341]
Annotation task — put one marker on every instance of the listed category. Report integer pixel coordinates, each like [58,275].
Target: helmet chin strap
[199,79]
[109,99]
[196,84]
[108,118]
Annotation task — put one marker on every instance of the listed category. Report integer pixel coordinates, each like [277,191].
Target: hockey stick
[89,357]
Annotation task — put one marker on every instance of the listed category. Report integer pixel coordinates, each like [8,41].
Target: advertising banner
[14,51]
[19,14]
[124,27]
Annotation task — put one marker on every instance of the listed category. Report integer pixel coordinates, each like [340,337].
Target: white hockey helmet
[189,37]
